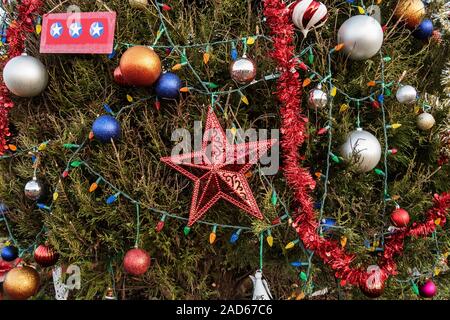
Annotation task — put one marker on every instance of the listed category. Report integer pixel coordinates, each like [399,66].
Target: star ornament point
[218,170]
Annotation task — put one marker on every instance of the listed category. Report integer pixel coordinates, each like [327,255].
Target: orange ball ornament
[118,76]
[21,283]
[410,11]
[140,66]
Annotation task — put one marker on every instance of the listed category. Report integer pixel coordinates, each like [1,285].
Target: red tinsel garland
[294,134]
[16,36]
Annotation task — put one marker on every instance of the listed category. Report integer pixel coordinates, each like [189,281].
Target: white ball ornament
[25,76]
[362,37]
[34,189]
[406,94]
[425,121]
[363,149]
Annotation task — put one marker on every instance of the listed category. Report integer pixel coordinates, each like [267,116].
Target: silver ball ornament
[362,37]
[243,70]
[363,149]
[138,4]
[317,98]
[25,76]
[34,189]
[406,94]
[425,121]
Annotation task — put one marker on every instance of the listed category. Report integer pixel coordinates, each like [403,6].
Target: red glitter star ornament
[218,170]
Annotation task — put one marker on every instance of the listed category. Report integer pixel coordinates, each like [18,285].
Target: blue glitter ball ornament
[424,30]
[168,86]
[106,128]
[9,253]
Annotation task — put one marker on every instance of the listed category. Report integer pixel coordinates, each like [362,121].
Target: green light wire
[199,45]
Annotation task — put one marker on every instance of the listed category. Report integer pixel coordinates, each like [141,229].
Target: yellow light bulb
[176,67]
[344,107]
[343,241]
[437,271]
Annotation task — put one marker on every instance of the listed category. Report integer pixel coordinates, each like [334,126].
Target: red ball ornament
[136,261]
[373,285]
[400,218]
[118,77]
[45,256]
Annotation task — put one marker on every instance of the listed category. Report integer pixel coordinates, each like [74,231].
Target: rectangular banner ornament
[78,32]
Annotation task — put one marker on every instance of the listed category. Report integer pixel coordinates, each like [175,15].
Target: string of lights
[376,96]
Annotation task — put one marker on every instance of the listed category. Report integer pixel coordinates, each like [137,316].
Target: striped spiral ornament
[45,256]
[309,14]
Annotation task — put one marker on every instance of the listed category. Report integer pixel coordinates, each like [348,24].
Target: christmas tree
[92,197]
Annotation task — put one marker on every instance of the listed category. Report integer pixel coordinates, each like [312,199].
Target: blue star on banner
[96,30]
[56,30]
[75,30]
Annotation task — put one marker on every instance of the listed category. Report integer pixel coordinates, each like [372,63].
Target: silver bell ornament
[317,99]
[363,149]
[34,189]
[243,70]
[406,94]
[25,76]
[261,290]
[425,121]
[362,37]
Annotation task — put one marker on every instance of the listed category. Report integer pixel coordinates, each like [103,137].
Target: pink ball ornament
[428,289]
